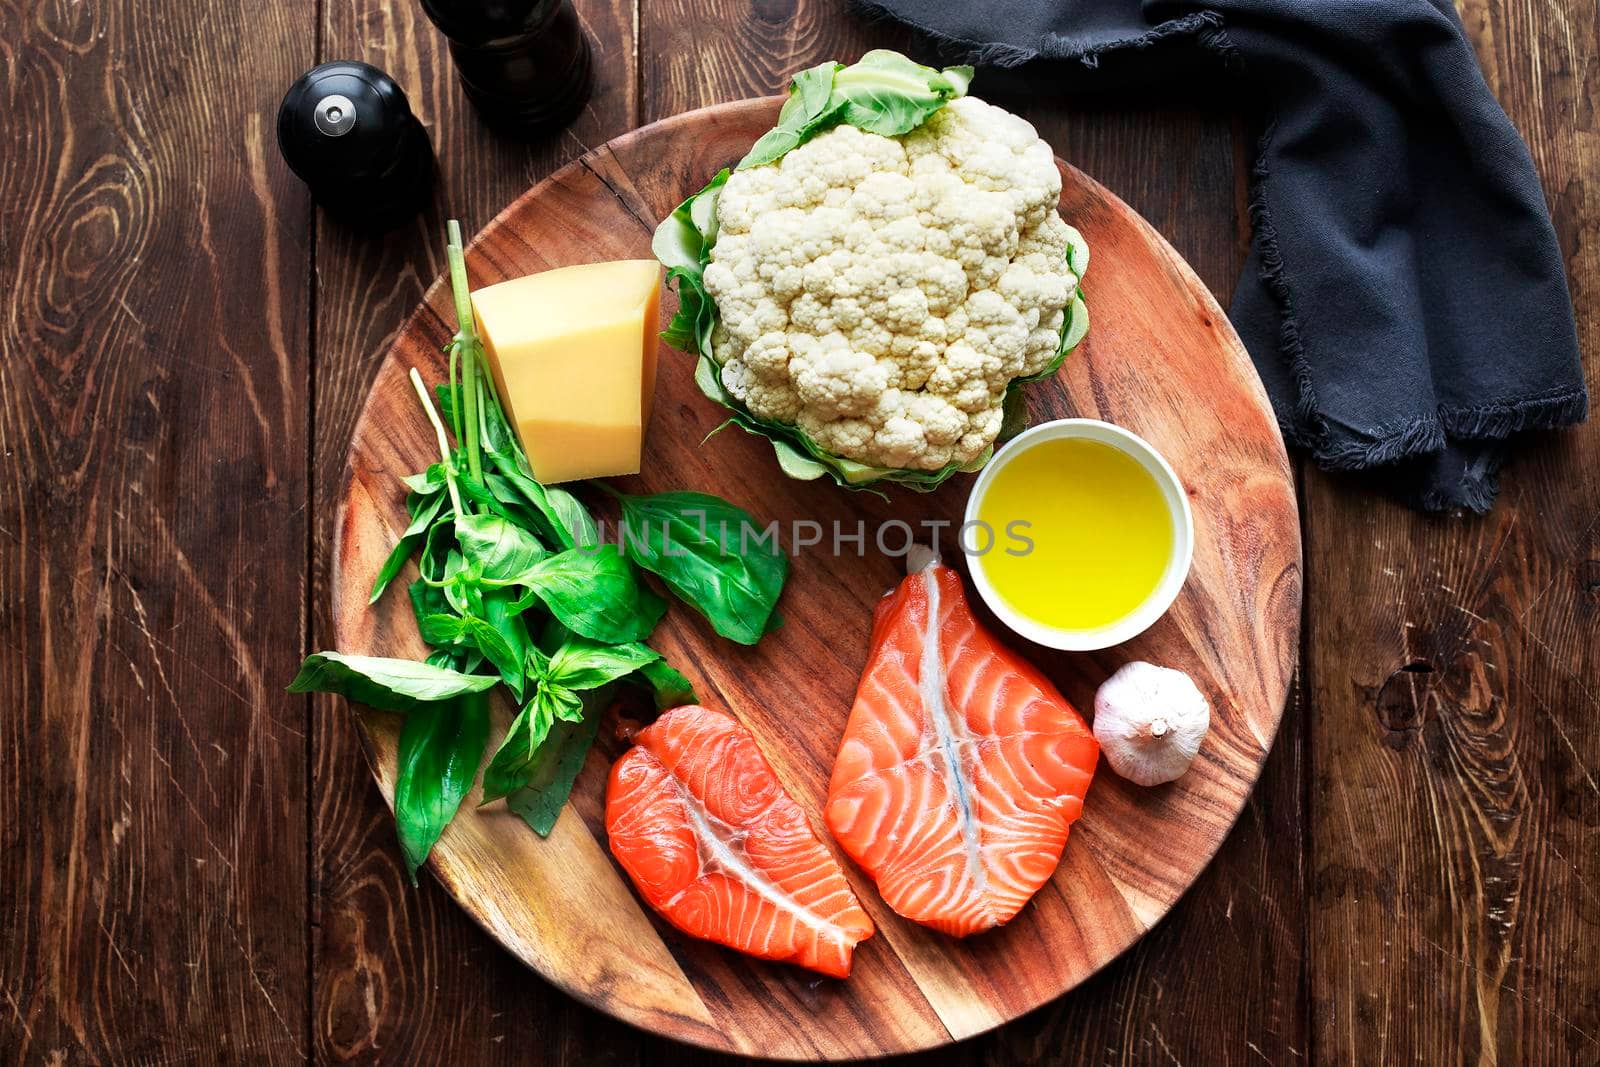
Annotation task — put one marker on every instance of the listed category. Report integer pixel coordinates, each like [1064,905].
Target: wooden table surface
[197,868]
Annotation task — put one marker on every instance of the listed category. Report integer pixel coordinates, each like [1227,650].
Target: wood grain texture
[401,974]
[1455,684]
[158,344]
[153,370]
[1160,360]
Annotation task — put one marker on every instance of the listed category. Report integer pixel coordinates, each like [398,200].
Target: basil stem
[467,343]
[444,445]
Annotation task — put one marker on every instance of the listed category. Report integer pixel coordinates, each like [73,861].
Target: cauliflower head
[881,294]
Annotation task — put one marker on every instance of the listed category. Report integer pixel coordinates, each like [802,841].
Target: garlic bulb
[1150,721]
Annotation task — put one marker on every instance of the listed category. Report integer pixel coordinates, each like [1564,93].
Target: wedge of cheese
[573,352]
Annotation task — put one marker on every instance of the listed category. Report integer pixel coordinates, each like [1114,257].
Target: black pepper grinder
[525,64]
[346,130]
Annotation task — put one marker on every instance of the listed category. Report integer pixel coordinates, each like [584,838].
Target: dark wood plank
[1245,916]
[1455,681]
[403,974]
[153,525]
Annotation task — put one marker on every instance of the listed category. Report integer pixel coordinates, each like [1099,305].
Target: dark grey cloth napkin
[1404,299]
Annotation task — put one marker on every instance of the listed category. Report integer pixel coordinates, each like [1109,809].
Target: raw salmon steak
[712,842]
[961,768]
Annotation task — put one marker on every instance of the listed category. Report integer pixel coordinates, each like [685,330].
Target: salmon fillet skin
[962,767]
[713,843]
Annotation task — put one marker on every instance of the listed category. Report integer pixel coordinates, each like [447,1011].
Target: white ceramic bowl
[1166,591]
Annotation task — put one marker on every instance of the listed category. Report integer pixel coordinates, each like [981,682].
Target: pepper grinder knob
[335,115]
[346,129]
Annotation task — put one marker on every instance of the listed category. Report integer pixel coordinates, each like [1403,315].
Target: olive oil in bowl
[1091,534]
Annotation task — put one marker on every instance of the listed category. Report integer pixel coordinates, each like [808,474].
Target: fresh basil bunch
[515,588]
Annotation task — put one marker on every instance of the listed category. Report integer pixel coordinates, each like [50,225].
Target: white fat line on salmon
[931,687]
[712,837]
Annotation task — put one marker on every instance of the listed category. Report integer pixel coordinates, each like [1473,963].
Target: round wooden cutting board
[1160,359]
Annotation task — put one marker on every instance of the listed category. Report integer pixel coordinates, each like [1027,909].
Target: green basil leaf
[553,770]
[512,485]
[507,770]
[500,549]
[512,504]
[426,509]
[450,659]
[501,614]
[668,686]
[498,435]
[513,510]
[428,600]
[461,585]
[496,646]
[565,705]
[446,401]
[584,664]
[563,520]
[431,480]
[595,593]
[417,502]
[391,684]
[442,630]
[455,569]
[436,549]
[474,491]
[579,524]
[552,635]
[441,746]
[511,767]
[711,554]
[538,664]
[466,659]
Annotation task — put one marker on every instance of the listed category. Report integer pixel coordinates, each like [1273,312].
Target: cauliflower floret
[768,357]
[838,382]
[881,293]
[842,437]
[963,377]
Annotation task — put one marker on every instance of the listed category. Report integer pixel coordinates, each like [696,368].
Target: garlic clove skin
[1150,722]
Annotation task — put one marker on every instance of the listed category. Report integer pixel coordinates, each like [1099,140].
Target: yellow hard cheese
[573,353]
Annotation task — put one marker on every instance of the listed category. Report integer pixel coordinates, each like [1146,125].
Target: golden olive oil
[1100,529]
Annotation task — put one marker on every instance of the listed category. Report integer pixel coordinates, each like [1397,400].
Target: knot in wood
[1402,700]
[1589,578]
